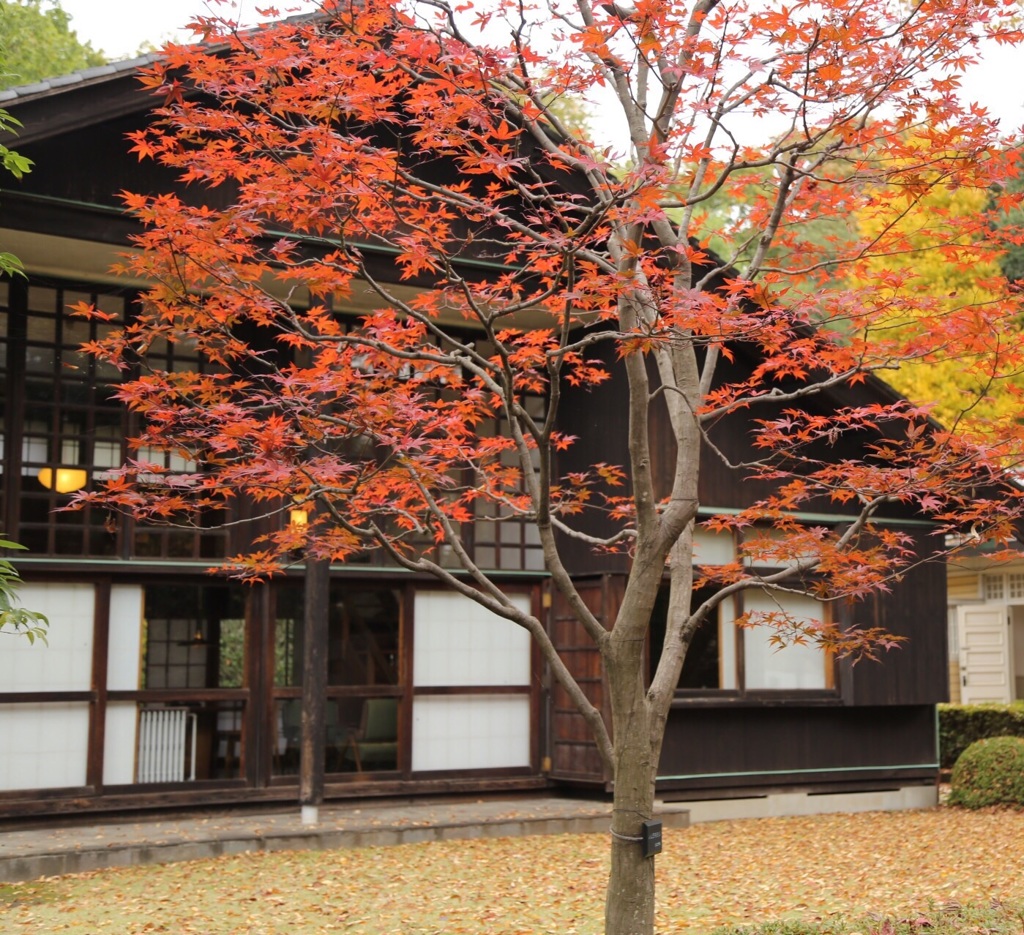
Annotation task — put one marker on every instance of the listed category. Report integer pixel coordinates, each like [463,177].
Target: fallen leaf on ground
[884,863]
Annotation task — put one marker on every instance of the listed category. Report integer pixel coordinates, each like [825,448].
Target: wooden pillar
[260,725]
[314,688]
[98,705]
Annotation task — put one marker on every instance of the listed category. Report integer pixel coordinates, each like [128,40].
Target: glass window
[993,585]
[288,637]
[188,742]
[712,660]
[360,735]
[368,623]
[364,628]
[363,650]
[195,637]
[73,427]
[703,663]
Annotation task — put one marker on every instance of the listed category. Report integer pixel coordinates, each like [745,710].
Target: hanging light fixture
[63,480]
[198,638]
[298,515]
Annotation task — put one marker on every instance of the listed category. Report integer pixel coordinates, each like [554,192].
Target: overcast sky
[120,27]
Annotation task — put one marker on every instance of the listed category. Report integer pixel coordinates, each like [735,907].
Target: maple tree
[407,162]
[1012,259]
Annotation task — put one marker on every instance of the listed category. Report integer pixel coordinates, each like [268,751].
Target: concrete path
[51,850]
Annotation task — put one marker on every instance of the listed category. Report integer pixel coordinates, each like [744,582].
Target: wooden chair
[375,743]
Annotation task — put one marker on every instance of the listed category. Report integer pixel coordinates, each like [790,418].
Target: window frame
[734,658]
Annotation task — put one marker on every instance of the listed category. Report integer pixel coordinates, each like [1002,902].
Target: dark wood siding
[102,166]
[915,607]
[597,417]
[749,747]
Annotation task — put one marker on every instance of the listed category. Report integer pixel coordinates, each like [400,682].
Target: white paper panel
[713,548]
[125,635]
[458,642]
[44,746]
[119,743]
[794,666]
[63,665]
[470,732]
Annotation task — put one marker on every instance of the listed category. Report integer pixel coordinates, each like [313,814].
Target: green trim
[203,565]
[73,202]
[817,517]
[117,562]
[802,772]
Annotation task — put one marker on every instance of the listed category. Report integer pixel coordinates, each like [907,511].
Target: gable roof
[79,99]
[48,96]
[82,78]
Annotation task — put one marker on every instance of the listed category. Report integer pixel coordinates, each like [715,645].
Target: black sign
[650,837]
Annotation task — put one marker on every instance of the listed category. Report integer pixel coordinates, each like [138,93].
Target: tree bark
[629,904]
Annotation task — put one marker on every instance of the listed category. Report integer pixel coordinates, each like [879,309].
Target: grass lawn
[923,870]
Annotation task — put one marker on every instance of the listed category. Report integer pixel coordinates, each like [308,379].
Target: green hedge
[989,772]
[962,725]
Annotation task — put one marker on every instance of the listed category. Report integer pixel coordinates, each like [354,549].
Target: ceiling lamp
[63,480]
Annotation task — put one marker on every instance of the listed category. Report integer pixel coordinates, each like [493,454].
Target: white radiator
[164,736]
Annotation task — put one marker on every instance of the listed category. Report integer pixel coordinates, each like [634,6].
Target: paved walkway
[50,850]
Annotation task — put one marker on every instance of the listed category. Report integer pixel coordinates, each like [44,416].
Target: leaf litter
[723,873]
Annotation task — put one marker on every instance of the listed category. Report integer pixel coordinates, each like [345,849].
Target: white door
[985,654]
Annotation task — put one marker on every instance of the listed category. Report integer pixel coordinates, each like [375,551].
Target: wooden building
[163,685]
[986,629]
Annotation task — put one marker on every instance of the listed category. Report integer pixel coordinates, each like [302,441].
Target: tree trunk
[629,905]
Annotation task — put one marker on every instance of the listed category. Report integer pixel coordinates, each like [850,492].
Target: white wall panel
[470,732]
[43,746]
[792,666]
[65,663]
[458,642]
[119,743]
[713,548]
[123,663]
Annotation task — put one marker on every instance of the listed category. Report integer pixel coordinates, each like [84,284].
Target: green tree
[37,41]
[17,165]
[968,386]
[14,619]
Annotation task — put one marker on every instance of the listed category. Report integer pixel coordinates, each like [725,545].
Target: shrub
[962,725]
[990,772]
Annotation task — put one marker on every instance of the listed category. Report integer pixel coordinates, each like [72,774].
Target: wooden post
[98,705]
[314,689]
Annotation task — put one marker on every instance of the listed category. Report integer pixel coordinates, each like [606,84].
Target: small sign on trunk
[650,837]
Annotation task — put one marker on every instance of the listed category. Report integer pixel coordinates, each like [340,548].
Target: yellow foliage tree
[968,384]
